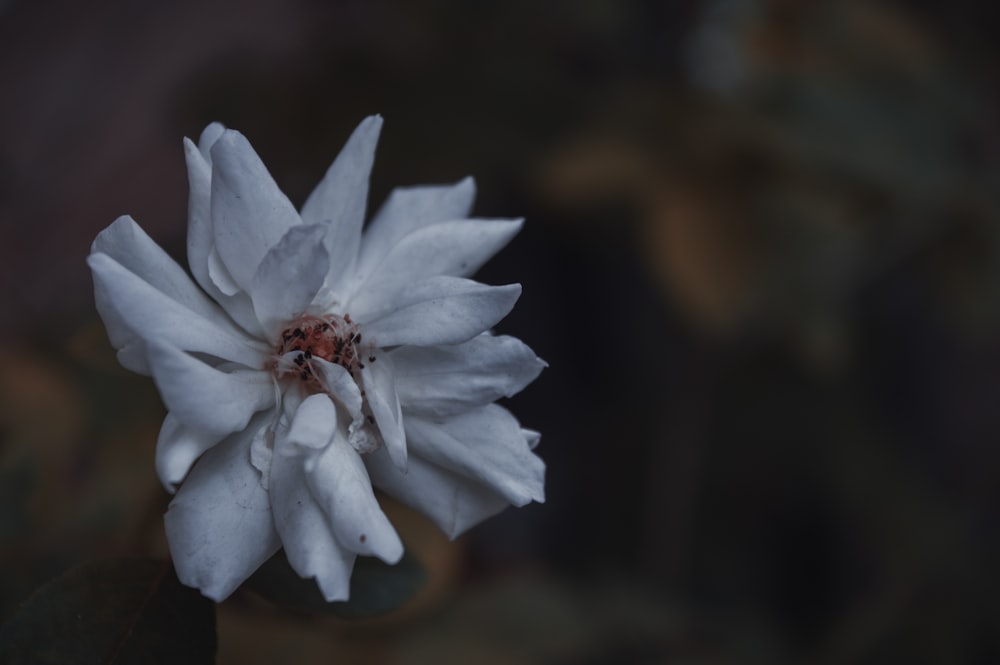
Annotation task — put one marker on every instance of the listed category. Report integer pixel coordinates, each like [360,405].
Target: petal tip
[209,136]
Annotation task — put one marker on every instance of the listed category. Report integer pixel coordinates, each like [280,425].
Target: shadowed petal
[205,398]
[379,381]
[454,503]
[249,213]
[130,247]
[220,275]
[201,237]
[219,525]
[177,448]
[139,309]
[406,210]
[208,137]
[440,310]
[305,532]
[455,248]
[445,380]
[485,445]
[290,275]
[133,356]
[339,383]
[339,200]
[338,481]
[314,423]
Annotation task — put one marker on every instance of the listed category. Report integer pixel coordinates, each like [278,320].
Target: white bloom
[315,361]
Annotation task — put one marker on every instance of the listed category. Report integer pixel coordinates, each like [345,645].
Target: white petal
[262,447]
[440,310]
[305,531]
[200,239]
[454,503]
[133,357]
[339,201]
[406,210]
[220,275]
[219,525]
[338,481]
[379,381]
[485,445]
[146,312]
[249,212]
[339,383]
[126,243]
[205,398]
[455,248]
[208,137]
[532,437]
[446,380]
[205,263]
[177,448]
[290,275]
[293,393]
[314,423]
[240,309]
[130,247]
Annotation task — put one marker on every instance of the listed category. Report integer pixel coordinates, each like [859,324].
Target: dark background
[761,257]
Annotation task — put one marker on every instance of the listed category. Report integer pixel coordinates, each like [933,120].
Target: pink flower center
[333,338]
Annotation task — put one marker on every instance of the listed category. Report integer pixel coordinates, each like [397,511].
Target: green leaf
[113,612]
[376,588]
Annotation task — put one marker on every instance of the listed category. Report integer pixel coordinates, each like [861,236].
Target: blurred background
[762,259]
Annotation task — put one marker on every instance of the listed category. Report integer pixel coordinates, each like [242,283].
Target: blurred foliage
[761,258]
[376,588]
[820,145]
[115,611]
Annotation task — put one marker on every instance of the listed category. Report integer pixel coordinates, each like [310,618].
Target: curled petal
[133,356]
[249,213]
[177,448]
[339,483]
[208,137]
[380,387]
[338,202]
[202,257]
[131,248]
[339,383]
[453,502]
[442,381]
[314,423]
[127,249]
[141,310]
[220,275]
[290,275]
[205,398]
[406,210]
[485,445]
[219,526]
[262,447]
[440,310]
[455,248]
[305,532]
[200,239]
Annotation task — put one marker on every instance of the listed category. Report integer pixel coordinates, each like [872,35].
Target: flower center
[333,338]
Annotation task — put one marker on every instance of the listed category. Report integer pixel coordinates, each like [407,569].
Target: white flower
[316,361]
